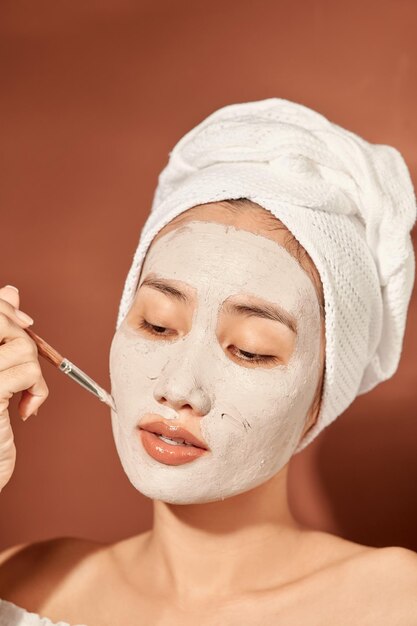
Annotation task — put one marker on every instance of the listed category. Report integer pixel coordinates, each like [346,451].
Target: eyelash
[259,358]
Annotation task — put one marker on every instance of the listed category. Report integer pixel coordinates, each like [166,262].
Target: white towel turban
[350,204]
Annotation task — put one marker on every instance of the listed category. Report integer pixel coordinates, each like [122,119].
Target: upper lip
[173,431]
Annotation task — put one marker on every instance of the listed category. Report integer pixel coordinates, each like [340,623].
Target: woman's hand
[19,371]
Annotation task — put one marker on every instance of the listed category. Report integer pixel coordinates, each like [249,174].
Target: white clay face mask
[250,415]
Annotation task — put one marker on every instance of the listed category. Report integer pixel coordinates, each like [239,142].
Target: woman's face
[223,339]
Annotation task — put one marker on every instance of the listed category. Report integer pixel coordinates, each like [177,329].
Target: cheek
[273,403]
[266,400]
[134,364]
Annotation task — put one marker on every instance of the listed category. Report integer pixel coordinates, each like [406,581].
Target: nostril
[175,403]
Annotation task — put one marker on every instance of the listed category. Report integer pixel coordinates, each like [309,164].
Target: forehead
[225,260]
[254,218]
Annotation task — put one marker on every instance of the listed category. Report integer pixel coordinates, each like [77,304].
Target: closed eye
[255,358]
[242,355]
[152,329]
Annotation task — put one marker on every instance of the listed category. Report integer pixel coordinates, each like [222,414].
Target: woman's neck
[225,548]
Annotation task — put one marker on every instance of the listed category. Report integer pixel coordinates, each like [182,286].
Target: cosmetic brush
[71,370]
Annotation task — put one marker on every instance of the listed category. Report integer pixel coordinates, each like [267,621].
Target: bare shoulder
[369,585]
[383,582]
[384,565]
[337,551]
[31,572]
[388,563]
[393,566]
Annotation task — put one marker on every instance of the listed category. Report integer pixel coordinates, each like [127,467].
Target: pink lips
[170,454]
[174,432]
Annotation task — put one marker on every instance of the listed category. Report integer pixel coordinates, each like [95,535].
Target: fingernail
[12,287]
[22,316]
[24,418]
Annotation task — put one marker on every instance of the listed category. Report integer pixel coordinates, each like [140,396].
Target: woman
[269,288]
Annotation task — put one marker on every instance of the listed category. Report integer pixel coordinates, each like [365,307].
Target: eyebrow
[272,312]
[161,285]
[265,311]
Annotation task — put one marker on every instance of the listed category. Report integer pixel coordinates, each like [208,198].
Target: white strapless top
[12,615]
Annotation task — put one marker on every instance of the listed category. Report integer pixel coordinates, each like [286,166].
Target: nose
[179,388]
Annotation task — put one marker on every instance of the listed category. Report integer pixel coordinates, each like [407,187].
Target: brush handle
[48,352]
[74,372]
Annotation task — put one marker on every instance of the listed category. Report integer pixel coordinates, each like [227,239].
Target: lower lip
[167,453]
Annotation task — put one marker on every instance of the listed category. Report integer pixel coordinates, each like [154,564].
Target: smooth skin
[244,560]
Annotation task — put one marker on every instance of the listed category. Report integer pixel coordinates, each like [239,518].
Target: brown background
[93,97]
